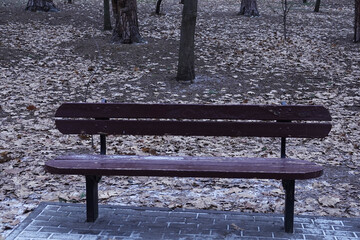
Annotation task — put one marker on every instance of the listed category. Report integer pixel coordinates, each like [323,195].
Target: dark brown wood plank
[191,128]
[269,168]
[192,111]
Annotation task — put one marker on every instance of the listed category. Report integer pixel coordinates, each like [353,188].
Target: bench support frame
[92,195]
[92,199]
[289,187]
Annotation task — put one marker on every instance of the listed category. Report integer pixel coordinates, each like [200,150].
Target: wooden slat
[192,111]
[188,128]
[269,168]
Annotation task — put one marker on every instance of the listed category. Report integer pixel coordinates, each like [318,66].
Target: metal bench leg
[289,187]
[92,208]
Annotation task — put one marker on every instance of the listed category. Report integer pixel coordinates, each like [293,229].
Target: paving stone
[184,214]
[208,238]
[317,237]
[328,221]
[70,218]
[45,223]
[122,233]
[172,236]
[256,233]
[36,235]
[345,228]
[218,216]
[71,209]
[201,220]
[53,207]
[157,213]
[23,238]
[66,236]
[340,233]
[32,228]
[238,217]
[195,231]
[68,222]
[71,225]
[85,231]
[345,238]
[169,219]
[104,226]
[223,231]
[55,213]
[311,231]
[318,226]
[301,219]
[55,230]
[43,218]
[268,218]
[93,237]
[176,225]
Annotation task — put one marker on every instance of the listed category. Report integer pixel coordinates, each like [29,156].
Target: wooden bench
[190,120]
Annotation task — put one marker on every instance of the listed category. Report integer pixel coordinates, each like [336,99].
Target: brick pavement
[67,221]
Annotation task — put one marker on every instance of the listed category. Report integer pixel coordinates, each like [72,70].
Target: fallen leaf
[31,108]
[329,201]
[4,157]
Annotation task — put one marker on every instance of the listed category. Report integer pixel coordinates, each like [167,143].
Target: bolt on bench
[190,120]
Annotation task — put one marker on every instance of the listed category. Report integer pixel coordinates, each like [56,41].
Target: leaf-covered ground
[51,58]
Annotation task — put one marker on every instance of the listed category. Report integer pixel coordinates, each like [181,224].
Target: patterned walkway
[67,221]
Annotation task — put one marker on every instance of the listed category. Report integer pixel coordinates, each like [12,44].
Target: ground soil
[239,60]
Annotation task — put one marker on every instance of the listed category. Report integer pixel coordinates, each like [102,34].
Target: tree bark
[107,22]
[158,5]
[286,9]
[317,6]
[126,22]
[357,21]
[249,8]
[41,5]
[186,64]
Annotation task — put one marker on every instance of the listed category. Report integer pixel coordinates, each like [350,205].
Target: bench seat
[167,166]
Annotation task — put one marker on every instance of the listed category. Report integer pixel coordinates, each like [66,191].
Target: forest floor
[51,58]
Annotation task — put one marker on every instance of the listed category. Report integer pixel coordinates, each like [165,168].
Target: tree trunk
[126,22]
[357,21]
[317,6]
[158,4]
[249,8]
[186,65]
[41,5]
[107,22]
[285,14]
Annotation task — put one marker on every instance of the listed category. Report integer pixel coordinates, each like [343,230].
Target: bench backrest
[193,120]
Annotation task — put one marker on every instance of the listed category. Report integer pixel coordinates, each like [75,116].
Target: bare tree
[249,8]
[107,22]
[285,12]
[41,5]
[126,22]
[186,64]
[317,6]
[158,5]
[357,21]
